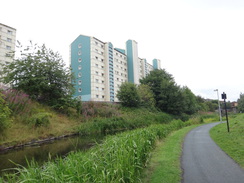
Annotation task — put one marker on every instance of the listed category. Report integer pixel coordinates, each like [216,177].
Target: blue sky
[200,42]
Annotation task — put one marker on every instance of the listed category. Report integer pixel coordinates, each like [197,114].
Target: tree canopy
[170,97]
[128,95]
[241,103]
[41,73]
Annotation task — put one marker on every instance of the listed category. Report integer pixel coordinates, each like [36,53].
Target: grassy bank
[120,158]
[98,121]
[164,164]
[233,142]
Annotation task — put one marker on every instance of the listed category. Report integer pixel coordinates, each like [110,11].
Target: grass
[164,164]
[233,142]
[59,125]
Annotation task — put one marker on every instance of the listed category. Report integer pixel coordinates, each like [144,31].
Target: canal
[41,153]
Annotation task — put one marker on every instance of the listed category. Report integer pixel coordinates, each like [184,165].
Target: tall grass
[120,158]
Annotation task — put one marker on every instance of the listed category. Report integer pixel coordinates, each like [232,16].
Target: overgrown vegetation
[120,158]
[232,143]
[4,114]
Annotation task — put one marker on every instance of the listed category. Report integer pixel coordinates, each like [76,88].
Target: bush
[98,109]
[4,114]
[40,119]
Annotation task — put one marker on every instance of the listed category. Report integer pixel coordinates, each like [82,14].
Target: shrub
[40,119]
[4,114]
[17,101]
[98,109]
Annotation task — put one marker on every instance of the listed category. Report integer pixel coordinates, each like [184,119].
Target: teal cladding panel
[129,50]
[155,63]
[120,50]
[81,49]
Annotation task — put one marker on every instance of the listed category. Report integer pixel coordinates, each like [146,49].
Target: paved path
[204,162]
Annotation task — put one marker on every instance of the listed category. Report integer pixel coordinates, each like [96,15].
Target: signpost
[225,97]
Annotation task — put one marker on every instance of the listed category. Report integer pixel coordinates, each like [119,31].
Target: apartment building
[7,43]
[100,68]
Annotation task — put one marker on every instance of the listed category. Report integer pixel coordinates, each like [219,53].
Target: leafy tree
[190,101]
[128,95]
[212,105]
[154,81]
[41,73]
[241,103]
[167,94]
[146,96]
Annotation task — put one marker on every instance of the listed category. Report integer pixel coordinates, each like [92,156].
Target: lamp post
[220,117]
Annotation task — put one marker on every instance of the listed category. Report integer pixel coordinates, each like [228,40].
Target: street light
[220,117]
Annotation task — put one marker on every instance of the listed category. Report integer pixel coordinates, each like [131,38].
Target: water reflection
[42,153]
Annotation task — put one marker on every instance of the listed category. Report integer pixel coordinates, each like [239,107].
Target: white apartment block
[100,68]
[7,43]
[7,46]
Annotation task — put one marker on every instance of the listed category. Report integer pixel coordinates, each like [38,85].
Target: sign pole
[224,97]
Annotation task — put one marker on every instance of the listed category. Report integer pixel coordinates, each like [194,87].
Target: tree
[190,101]
[240,102]
[166,92]
[154,81]
[40,73]
[128,95]
[146,96]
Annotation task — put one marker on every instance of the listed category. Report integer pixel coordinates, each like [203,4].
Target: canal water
[43,152]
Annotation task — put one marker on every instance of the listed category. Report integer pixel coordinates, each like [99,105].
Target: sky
[199,42]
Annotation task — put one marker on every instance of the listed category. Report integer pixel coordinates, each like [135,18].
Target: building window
[97,80]
[9,40]
[79,74]
[79,52]
[102,60]
[103,96]
[79,45]
[102,89]
[79,90]
[97,96]
[79,82]
[96,65]
[79,67]
[96,72]
[10,32]
[8,47]
[97,88]
[79,60]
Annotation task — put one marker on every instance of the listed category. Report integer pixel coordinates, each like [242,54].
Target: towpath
[204,162]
